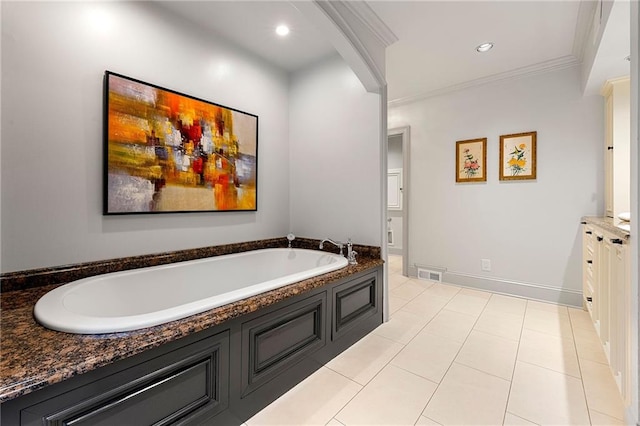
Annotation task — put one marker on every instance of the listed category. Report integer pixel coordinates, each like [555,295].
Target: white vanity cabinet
[619,315]
[590,274]
[607,296]
[617,145]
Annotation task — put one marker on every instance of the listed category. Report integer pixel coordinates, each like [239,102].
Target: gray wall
[325,182]
[334,129]
[528,229]
[54,55]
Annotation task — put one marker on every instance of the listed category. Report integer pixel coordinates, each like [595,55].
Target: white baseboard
[511,288]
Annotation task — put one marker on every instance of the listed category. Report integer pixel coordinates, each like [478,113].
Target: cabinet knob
[609,148]
[588,232]
[583,223]
[599,238]
[589,262]
[589,299]
[617,241]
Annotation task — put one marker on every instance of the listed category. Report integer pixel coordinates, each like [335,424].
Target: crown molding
[366,15]
[539,68]
[332,9]
[583,27]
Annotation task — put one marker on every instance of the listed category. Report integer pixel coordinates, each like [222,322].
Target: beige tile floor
[456,356]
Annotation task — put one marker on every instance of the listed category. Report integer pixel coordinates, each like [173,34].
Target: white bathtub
[139,298]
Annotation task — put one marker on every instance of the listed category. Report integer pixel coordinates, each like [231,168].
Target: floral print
[518,162]
[471,167]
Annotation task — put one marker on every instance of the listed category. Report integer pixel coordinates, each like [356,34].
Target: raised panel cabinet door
[604,292]
[587,269]
[620,311]
[176,388]
[275,341]
[608,156]
[354,302]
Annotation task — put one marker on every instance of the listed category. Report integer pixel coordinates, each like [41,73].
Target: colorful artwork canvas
[471,160]
[518,156]
[169,152]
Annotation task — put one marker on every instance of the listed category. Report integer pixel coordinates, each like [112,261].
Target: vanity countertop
[34,356]
[608,224]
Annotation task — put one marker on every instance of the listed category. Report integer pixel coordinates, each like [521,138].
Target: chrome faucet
[337,244]
[351,253]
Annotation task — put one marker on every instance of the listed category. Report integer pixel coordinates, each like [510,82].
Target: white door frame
[405,134]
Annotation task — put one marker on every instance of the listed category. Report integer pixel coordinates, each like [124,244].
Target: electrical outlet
[486,265]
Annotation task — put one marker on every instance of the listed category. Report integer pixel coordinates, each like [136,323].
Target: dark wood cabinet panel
[188,382]
[280,338]
[353,302]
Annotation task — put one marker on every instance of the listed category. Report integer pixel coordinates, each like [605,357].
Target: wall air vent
[427,274]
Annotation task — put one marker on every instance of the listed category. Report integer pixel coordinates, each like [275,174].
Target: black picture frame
[169,152]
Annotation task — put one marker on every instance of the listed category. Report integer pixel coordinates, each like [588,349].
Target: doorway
[398,195]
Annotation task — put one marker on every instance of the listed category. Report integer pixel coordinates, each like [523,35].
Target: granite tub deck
[34,357]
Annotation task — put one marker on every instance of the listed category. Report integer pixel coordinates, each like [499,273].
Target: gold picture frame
[471,160]
[518,156]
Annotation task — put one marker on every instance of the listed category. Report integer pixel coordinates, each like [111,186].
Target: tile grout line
[520,417]
[513,373]
[589,409]
[383,367]
[335,414]
[485,309]
[457,353]
[584,390]
[450,365]
[389,363]
[481,371]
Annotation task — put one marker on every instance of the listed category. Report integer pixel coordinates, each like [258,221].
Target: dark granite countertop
[34,357]
[608,224]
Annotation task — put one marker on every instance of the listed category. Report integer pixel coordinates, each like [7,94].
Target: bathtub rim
[49,310]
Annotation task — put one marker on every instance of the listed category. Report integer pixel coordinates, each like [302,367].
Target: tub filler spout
[335,243]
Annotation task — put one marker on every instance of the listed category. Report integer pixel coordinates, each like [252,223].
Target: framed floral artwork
[471,160]
[518,156]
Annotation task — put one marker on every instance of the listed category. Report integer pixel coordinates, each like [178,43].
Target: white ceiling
[252,24]
[437,39]
[615,45]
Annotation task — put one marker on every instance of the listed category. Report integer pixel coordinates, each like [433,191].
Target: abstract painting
[167,152]
[471,160]
[518,156]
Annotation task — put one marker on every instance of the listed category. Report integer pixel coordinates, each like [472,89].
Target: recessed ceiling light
[484,47]
[282,30]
